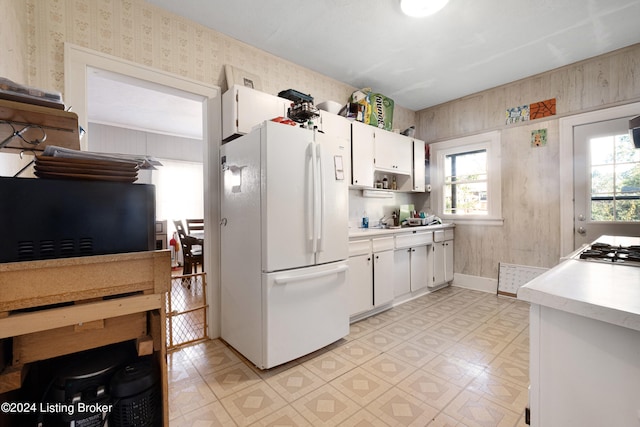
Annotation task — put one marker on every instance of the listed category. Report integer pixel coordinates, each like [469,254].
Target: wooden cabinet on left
[58,307]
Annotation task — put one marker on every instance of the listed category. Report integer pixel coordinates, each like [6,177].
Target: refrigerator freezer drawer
[304,310]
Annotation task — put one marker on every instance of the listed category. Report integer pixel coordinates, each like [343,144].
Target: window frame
[489,141]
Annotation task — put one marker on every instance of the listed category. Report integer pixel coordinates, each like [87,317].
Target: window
[466,178]
[615,179]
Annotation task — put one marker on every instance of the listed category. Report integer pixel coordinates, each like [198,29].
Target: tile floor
[454,357]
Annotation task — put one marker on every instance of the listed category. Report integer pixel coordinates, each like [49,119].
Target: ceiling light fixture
[421,8]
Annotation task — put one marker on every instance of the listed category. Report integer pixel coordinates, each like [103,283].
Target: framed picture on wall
[236,76]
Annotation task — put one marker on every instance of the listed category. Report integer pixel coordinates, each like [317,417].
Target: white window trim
[489,141]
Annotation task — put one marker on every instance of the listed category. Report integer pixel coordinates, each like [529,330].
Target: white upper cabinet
[334,125]
[418,165]
[243,108]
[362,154]
[393,152]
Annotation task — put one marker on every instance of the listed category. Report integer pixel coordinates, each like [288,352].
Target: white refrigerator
[284,236]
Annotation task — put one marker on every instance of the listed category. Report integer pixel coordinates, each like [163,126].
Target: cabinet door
[448,261]
[418,165]
[401,272]
[360,279]
[334,125]
[438,263]
[382,278]
[245,108]
[362,154]
[419,268]
[393,152]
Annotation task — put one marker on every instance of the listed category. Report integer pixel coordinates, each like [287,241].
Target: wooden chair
[192,250]
[195,226]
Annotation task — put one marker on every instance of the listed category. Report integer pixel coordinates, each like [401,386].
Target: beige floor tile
[473,313]
[429,388]
[498,332]
[326,406]
[484,343]
[360,329]
[444,420]
[451,358]
[413,353]
[454,370]
[363,418]
[213,415]
[517,353]
[401,330]
[360,385]
[252,403]
[432,342]
[381,341]
[476,411]
[469,353]
[231,380]
[357,351]
[416,320]
[215,361]
[503,392]
[510,370]
[329,366]
[286,416]
[185,397]
[295,382]
[448,330]
[399,408]
[389,368]
[181,371]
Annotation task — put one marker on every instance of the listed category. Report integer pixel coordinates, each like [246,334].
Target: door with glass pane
[606,180]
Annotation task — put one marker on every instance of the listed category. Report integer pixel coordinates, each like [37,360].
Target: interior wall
[143,33]
[530,175]
[13,40]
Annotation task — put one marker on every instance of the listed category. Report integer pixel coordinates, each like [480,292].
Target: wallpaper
[143,33]
[13,41]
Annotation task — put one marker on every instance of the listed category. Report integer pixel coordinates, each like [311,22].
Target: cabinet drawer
[359,247]
[382,244]
[414,239]
[442,235]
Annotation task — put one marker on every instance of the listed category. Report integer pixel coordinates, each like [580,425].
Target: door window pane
[615,179]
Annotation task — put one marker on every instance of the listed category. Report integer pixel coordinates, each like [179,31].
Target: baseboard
[476,283]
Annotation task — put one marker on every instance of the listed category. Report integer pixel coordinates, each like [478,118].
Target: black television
[634,131]
[49,218]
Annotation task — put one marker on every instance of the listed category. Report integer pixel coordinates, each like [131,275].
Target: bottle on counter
[385,182]
[365,220]
[394,184]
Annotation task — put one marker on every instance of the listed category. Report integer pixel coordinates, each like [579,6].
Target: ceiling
[469,46]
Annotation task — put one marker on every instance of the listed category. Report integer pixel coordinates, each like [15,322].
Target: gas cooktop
[605,252]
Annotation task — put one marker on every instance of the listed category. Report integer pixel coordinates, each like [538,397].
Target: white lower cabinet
[411,269]
[383,270]
[370,274]
[442,257]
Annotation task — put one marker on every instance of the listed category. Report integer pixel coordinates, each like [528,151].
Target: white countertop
[602,291]
[371,232]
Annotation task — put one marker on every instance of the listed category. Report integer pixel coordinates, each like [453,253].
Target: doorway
[78,63]
[606,181]
[567,126]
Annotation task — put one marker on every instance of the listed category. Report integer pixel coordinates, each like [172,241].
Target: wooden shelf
[106,299]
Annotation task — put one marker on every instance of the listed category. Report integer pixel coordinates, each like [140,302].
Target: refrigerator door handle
[314,195]
[303,277]
[322,198]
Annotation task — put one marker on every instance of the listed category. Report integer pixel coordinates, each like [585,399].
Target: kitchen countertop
[371,232]
[601,291]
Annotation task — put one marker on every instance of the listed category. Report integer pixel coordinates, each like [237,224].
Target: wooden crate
[40,283]
[61,127]
[114,298]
